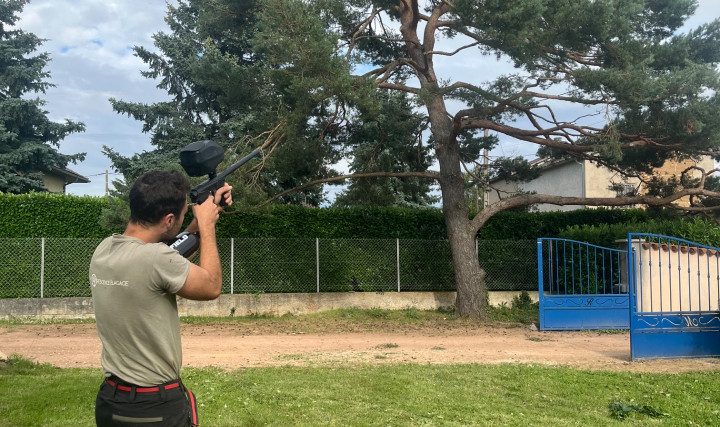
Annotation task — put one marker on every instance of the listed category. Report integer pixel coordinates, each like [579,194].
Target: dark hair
[156,194]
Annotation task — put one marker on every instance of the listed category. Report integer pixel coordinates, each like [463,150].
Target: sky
[90,45]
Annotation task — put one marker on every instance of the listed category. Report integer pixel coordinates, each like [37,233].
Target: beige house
[56,180]
[581,178]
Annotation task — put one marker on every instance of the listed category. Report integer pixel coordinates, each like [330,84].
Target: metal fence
[57,267]
[578,268]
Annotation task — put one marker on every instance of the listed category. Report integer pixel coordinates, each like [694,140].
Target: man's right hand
[223,197]
[207,213]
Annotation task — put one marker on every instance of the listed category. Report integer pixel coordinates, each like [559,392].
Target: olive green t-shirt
[133,287]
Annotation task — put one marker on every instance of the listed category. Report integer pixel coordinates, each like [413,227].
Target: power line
[103,173]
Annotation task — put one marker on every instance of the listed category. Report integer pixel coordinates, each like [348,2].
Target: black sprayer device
[201,158]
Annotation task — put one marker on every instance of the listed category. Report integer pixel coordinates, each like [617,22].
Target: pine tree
[28,139]
[652,91]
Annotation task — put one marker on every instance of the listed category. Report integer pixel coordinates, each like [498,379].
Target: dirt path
[232,346]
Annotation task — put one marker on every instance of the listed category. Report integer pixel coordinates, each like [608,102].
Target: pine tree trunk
[469,277]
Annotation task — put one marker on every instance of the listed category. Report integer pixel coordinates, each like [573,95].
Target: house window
[624,189]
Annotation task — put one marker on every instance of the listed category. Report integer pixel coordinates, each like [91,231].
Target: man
[134,278]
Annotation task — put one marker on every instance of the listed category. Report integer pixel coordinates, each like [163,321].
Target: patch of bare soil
[233,345]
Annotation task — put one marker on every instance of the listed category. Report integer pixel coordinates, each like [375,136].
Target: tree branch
[468,86]
[427,175]
[544,136]
[355,36]
[397,86]
[386,69]
[568,98]
[531,199]
[272,140]
[441,23]
[431,26]
[439,52]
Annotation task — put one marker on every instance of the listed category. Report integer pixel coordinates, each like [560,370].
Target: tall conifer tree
[29,141]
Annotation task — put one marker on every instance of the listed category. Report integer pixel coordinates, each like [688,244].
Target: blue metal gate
[582,286]
[674,294]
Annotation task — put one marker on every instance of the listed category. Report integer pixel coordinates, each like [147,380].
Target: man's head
[157,194]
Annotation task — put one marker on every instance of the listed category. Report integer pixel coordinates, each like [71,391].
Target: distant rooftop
[71,177]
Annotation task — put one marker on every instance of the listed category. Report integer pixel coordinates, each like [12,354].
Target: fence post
[317,263]
[398,262]
[232,265]
[42,267]
[541,275]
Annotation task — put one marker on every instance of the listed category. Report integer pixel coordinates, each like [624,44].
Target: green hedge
[534,225]
[698,230]
[382,223]
[50,215]
[56,215]
[285,221]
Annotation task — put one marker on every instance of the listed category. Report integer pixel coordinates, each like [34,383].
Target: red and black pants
[122,404]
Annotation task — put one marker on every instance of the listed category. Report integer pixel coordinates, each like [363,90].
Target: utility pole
[486,173]
[106,183]
[477,190]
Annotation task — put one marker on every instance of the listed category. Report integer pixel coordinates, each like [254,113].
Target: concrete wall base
[249,305]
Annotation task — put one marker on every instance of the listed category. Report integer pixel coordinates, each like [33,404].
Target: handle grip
[185,243]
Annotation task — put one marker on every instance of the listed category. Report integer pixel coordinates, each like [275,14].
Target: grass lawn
[386,395]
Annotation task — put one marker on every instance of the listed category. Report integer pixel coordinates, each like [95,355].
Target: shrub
[50,215]
[698,230]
